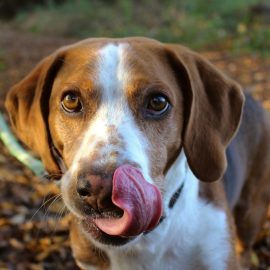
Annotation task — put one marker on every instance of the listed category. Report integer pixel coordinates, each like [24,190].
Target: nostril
[83,192]
[83,187]
[95,193]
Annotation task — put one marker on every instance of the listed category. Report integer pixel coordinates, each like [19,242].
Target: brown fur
[206,113]
[84,251]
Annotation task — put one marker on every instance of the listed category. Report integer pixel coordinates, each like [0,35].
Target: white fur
[112,119]
[194,234]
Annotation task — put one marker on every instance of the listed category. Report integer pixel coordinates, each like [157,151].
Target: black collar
[176,196]
[172,202]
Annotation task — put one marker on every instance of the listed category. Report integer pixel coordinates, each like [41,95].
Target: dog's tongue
[140,201]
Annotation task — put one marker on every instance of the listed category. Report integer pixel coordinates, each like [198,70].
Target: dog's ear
[28,106]
[212,112]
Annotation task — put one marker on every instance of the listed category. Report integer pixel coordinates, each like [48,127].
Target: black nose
[84,187]
[95,191]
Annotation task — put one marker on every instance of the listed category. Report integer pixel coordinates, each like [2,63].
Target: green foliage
[196,23]
[2,61]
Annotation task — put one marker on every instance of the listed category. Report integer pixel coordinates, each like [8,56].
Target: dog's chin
[89,227]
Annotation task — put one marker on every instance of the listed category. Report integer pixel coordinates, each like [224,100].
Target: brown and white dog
[138,131]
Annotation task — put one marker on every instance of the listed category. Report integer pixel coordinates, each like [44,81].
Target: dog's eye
[157,105]
[71,103]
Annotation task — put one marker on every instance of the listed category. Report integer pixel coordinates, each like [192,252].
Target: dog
[155,166]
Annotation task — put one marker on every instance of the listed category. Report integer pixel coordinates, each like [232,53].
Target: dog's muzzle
[139,201]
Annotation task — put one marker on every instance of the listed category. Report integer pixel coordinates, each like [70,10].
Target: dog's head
[117,113]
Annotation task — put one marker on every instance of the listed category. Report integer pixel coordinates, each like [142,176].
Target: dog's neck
[186,229]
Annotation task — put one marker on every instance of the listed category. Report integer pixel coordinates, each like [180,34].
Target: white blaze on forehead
[112,75]
[112,70]
[113,117]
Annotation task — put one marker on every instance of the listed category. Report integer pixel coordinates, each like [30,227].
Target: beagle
[143,136]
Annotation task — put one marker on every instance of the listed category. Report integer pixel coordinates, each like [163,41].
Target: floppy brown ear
[212,112]
[28,106]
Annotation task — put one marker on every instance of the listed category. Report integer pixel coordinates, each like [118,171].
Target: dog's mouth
[89,226]
[138,206]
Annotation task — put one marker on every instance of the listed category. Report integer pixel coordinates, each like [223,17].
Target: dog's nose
[95,191]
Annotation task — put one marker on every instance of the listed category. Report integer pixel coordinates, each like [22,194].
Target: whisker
[59,216]
[58,196]
[43,205]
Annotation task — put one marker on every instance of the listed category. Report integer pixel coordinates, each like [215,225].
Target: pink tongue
[140,201]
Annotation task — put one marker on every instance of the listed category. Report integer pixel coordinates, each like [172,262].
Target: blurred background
[233,34]
[238,25]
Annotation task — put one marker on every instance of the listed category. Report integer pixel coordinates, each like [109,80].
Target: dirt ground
[33,225]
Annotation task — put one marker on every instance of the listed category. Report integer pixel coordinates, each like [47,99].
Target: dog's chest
[194,235]
[169,260]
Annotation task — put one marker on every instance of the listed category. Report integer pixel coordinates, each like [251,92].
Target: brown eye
[158,104]
[71,103]
[157,107]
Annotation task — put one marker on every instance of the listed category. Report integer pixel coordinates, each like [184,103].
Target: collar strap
[172,202]
[176,196]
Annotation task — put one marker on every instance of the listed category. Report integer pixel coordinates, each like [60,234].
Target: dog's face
[121,109]
[118,113]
